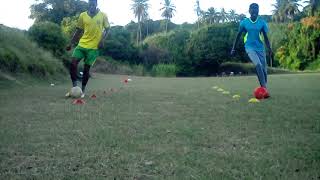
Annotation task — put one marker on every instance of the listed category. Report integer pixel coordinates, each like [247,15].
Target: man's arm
[75,38]
[242,30]
[103,38]
[266,40]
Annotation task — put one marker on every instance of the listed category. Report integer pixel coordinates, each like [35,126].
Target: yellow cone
[225,92]
[236,96]
[253,100]
[220,90]
[215,87]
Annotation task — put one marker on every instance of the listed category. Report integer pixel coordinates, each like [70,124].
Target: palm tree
[285,9]
[168,11]
[241,17]
[232,15]
[146,19]
[277,12]
[312,6]
[292,8]
[223,15]
[198,11]
[211,15]
[140,10]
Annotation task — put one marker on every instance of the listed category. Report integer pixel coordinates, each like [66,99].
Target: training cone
[215,87]
[93,96]
[253,100]
[78,102]
[236,96]
[220,90]
[225,92]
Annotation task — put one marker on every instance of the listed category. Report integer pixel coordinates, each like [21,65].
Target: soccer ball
[75,92]
[261,93]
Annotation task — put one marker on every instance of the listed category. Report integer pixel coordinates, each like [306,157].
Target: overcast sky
[15,13]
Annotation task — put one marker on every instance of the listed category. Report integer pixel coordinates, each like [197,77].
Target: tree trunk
[140,32]
[147,28]
[166,25]
[198,22]
[313,9]
[138,36]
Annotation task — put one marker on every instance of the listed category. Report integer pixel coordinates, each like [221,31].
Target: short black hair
[253,5]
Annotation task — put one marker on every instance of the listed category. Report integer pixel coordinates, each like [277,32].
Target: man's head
[92,6]
[254,11]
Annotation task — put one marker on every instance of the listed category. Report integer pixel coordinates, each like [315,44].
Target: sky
[15,13]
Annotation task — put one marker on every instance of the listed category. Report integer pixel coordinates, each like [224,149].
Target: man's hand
[233,52]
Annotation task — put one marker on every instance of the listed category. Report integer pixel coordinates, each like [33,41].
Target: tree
[232,15]
[120,46]
[56,10]
[168,11]
[209,47]
[285,10]
[49,36]
[292,9]
[211,15]
[140,10]
[199,12]
[312,6]
[241,17]
[146,21]
[277,14]
[223,15]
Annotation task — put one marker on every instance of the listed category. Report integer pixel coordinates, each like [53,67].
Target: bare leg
[73,71]
[85,76]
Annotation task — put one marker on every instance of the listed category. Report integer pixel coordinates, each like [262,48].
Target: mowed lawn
[162,128]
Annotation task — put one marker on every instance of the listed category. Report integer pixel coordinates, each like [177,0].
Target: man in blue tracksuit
[253,27]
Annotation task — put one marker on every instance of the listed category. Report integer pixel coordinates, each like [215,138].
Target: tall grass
[164,70]
[18,54]
[107,65]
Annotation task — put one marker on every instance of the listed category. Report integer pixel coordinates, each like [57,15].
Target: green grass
[162,128]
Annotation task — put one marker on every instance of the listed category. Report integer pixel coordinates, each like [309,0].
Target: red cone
[93,96]
[78,102]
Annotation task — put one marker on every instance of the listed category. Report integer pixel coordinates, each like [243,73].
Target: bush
[210,46]
[164,70]
[49,36]
[174,43]
[118,45]
[69,25]
[277,37]
[19,55]
[302,45]
[152,55]
[109,66]
[315,65]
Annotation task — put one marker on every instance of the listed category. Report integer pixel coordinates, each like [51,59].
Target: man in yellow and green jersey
[92,27]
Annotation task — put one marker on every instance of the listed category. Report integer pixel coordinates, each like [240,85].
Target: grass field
[162,128]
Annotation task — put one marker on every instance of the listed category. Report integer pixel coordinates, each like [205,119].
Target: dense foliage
[187,49]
